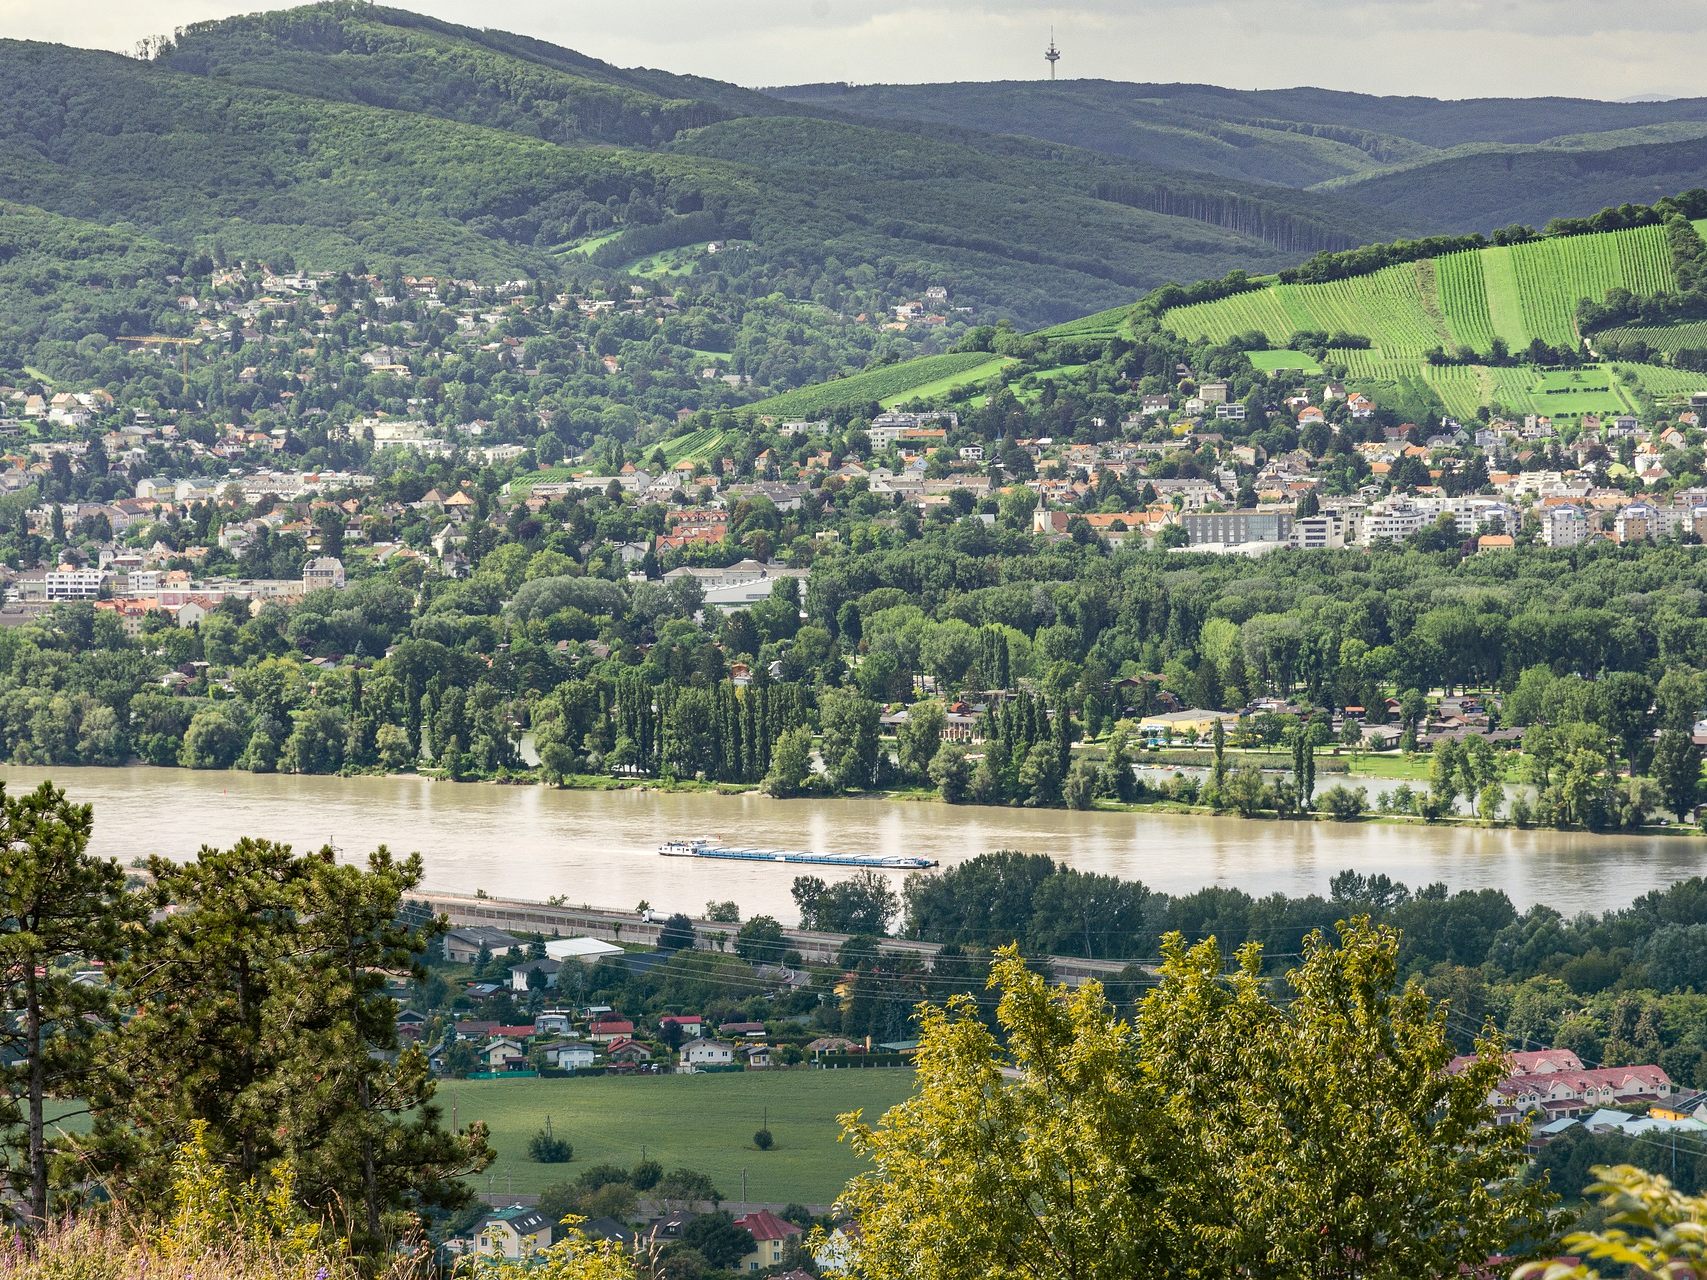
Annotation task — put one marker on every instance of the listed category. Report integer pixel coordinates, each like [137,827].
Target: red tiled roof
[765,1225]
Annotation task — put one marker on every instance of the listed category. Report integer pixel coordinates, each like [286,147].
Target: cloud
[1439,48]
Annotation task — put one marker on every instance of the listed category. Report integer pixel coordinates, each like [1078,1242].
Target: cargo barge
[703,847]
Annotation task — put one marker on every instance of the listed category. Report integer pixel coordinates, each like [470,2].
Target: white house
[586,950]
[707,1053]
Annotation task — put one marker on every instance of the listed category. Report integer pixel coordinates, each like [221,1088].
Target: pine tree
[57,904]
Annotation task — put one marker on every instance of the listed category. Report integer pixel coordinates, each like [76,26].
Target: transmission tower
[1052,55]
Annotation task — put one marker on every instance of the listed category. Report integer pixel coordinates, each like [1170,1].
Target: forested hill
[343,135]
[1462,165]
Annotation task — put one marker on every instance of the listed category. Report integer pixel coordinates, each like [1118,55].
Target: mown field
[887,384]
[1274,361]
[704,1122]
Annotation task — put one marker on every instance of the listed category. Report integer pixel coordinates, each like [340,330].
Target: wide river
[600,847]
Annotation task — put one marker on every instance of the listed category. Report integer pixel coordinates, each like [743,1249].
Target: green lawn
[1272,361]
[705,1122]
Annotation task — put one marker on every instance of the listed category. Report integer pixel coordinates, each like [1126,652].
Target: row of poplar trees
[245,991]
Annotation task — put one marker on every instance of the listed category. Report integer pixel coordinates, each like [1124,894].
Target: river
[600,847]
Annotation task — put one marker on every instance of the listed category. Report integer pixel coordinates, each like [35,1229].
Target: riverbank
[536,842]
[1395,768]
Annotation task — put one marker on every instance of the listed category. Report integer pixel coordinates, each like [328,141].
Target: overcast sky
[1442,48]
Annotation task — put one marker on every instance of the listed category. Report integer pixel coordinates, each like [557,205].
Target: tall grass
[103,1246]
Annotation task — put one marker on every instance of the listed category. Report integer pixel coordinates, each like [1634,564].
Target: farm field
[1661,381]
[704,1122]
[1273,361]
[890,383]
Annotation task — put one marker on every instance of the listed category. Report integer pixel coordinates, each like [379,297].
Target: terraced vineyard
[891,384]
[1515,294]
[1659,337]
[1094,328]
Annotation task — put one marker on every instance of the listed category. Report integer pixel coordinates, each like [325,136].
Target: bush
[1343,803]
[545,1147]
[764,1140]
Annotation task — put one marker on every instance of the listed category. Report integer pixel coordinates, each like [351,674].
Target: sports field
[704,1122]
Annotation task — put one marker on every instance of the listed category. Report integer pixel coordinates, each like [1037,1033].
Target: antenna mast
[1052,55]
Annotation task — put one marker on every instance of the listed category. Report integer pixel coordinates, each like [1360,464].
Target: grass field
[1272,361]
[704,1122]
[585,247]
[890,383]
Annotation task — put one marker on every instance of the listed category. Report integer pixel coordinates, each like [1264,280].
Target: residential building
[323,572]
[771,1236]
[1234,528]
[707,1053]
[464,945]
[515,1233]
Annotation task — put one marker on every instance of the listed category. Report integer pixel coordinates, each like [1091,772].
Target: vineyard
[1659,337]
[887,384]
[1514,294]
[693,446]
[1517,293]
[1100,327]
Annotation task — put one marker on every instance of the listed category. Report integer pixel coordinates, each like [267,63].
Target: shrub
[764,1140]
[545,1147]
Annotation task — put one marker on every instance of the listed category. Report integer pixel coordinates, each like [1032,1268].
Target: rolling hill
[1457,331]
[346,134]
[1440,165]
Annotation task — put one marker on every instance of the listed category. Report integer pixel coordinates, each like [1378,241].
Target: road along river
[600,847]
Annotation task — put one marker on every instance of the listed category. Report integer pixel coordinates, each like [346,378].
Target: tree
[850,724]
[545,1147]
[764,1140]
[1677,770]
[863,904]
[760,941]
[920,737]
[677,934]
[951,771]
[726,912]
[262,1022]
[791,763]
[1654,1232]
[1229,1132]
[212,741]
[58,908]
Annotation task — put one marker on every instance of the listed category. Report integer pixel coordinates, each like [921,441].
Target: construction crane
[1052,55]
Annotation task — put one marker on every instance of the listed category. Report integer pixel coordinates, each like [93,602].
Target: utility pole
[743,1192]
[1052,55]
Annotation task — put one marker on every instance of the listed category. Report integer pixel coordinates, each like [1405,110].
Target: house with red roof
[771,1235]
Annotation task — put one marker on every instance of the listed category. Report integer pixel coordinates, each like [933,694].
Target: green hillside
[889,385]
[1515,292]
[348,134]
[1435,165]
[1477,300]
